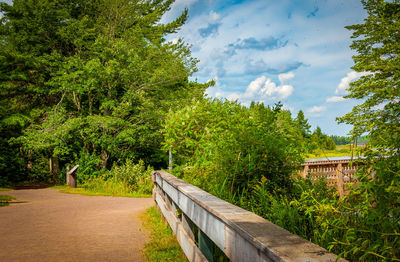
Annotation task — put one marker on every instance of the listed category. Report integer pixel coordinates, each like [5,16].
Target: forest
[95,83]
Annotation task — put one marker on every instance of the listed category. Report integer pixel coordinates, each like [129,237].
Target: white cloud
[213,17]
[344,83]
[284,77]
[184,2]
[316,109]
[263,88]
[335,99]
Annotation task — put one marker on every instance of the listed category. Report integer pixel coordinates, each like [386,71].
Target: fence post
[305,171]
[339,177]
[170,160]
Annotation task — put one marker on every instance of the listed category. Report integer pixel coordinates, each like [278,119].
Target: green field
[341,150]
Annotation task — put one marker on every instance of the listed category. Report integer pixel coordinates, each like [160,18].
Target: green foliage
[303,124]
[125,179]
[136,176]
[163,245]
[92,76]
[377,46]
[341,140]
[377,204]
[4,199]
[247,156]
[238,145]
[88,167]
[322,141]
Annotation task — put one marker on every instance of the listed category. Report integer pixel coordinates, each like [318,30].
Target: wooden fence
[337,173]
[210,229]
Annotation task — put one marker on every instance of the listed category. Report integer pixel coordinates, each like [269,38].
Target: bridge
[210,229]
[338,172]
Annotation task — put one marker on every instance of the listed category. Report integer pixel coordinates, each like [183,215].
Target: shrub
[124,179]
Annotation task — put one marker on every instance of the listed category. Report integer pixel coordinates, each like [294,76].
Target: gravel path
[51,226]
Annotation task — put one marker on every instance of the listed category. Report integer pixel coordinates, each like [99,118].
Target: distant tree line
[341,140]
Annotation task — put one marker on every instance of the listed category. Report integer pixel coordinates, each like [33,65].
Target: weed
[163,245]
[5,199]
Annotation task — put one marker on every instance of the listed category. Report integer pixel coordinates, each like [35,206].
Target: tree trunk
[29,164]
[104,158]
[54,168]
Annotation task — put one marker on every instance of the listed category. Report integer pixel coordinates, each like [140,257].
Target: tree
[220,145]
[303,123]
[99,75]
[377,199]
[322,141]
[377,42]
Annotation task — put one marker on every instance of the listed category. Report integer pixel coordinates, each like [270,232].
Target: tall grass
[129,178]
[163,245]
[5,199]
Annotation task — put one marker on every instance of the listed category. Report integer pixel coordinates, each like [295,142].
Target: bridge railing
[208,228]
[336,173]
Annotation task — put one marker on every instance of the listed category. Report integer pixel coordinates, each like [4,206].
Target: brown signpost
[71,176]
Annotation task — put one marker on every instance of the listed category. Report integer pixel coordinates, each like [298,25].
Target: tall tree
[100,73]
[377,43]
[303,124]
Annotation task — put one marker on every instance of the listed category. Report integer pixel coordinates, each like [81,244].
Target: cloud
[213,17]
[213,25]
[313,13]
[185,2]
[211,29]
[259,67]
[263,88]
[269,43]
[335,99]
[344,83]
[316,109]
[284,77]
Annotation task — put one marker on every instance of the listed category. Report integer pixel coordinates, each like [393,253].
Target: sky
[293,51]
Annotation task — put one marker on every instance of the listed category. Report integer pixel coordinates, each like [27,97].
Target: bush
[124,179]
[220,142]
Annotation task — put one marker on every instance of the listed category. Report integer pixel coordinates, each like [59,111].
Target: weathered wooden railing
[337,173]
[207,227]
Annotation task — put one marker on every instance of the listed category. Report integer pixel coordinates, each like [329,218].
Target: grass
[5,199]
[5,189]
[87,192]
[341,150]
[163,245]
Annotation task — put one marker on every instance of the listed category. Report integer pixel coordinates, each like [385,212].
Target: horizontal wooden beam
[240,234]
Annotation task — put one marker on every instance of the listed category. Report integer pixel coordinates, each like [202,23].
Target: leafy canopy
[91,78]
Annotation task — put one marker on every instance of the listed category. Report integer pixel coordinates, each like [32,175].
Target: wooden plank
[246,235]
[190,249]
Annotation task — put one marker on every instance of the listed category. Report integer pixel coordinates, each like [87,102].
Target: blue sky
[296,52]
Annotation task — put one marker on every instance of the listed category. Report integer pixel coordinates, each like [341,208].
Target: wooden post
[66,175]
[305,171]
[188,226]
[71,176]
[339,177]
[170,160]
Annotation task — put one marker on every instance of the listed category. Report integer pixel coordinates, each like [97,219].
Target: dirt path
[52,226]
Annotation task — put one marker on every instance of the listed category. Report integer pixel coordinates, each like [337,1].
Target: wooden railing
[336,173]
[210,229]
